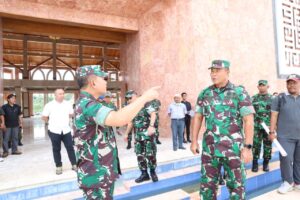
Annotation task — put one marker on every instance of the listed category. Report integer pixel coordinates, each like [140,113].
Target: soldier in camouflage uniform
[129,137]
[226,109]
[262,105]
[156,124]
[96,146]
[145,138]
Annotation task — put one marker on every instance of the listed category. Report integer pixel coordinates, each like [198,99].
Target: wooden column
[25,58]
[80,54]
[54,59]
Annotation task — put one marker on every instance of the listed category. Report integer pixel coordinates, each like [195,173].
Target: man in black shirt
[2,127]
[187,117]
[13,121]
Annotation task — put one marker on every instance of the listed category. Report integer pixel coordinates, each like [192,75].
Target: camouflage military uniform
[157,105]
[129,138]
[223,109]
[145,146]
[113,107]
[262,105]
[96,145]
[96,148]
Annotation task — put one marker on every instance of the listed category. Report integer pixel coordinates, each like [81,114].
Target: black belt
[178,119]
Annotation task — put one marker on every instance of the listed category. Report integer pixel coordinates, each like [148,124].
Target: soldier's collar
[86,94]
[229,85]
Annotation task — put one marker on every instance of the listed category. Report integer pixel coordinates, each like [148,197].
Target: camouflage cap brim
[87,70]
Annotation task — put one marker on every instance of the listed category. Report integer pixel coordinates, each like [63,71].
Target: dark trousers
[11,133]
[56,140]
[290,165]
[187,121]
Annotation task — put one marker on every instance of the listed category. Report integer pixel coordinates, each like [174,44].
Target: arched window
[38,74]
[50,75]
[68,76]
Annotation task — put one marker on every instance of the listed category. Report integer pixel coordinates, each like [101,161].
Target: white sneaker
[1,159]
[297,187]
[285,187]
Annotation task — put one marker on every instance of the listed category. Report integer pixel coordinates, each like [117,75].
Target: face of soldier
[263,89]
[107,99]
[293,87]
[99,85]
[59,95]
[132,98]
[219,77]
[177,99]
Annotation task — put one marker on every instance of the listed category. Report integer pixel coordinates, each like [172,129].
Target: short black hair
[183,94]
[83,81]
[11,95]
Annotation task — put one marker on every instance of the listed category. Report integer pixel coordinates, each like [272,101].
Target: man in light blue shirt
[176,112]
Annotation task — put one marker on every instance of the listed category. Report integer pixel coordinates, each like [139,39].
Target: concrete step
[175,194]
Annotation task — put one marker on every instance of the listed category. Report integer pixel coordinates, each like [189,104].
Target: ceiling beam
[12,52]
[61,31]
[33,38]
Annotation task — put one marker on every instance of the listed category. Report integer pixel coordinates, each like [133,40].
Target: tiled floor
[36,166]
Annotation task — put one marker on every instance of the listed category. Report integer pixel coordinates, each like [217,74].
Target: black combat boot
[255,166]
[221,179]
[266,166]
[157,141]
[128,145]
[153,175]
[143,177]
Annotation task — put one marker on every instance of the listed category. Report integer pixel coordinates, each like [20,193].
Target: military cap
[108,94]
[11,95]
[262,82]
[220,64]
[294,77]
[129,93]
[87,70]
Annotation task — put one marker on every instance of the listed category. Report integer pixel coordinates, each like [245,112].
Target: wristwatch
[248,146]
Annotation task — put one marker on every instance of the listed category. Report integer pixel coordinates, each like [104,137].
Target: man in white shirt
[176,112]
[58,114]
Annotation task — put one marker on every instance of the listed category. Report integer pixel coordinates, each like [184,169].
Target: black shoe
[143,177]
[20,143]
[189,141]
[158,142]
[255,166]
[266,166]
[9,145]
[184,141]
[221,180]
[153,176]
[128,145]
[183,148]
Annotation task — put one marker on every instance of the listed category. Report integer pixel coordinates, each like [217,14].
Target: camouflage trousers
[210,170]
[259,136]
[156,134]
[105,193]
[146,153]
[129,137]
